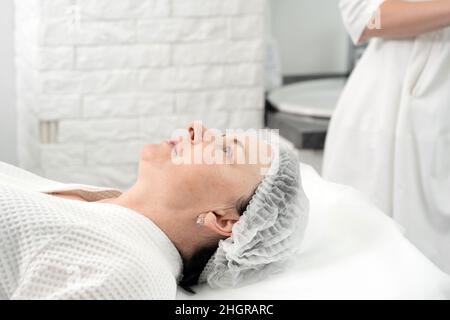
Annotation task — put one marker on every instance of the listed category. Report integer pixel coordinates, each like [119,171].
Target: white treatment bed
[351,251]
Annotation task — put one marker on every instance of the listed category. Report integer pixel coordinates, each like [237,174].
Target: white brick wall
[112,75]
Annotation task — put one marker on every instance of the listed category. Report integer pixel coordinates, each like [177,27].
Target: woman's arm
[402,19]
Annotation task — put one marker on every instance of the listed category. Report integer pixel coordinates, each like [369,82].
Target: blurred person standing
[390,134]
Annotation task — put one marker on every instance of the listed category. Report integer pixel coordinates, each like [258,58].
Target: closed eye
[228,151]
[235,141]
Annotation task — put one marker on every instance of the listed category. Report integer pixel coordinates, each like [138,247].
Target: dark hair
[193,267]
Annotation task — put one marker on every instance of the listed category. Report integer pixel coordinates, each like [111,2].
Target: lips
[173,144]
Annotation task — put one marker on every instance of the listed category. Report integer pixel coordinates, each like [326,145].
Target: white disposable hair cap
[269,231]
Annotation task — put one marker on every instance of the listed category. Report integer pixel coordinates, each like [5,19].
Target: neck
[183,234]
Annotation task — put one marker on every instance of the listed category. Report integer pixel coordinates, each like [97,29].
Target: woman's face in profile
[204,169]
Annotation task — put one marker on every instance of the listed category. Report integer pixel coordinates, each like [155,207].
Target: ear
[221,222]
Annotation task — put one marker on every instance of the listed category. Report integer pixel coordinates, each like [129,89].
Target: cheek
[246,179]
[184,179]
[189,155]
[199,184]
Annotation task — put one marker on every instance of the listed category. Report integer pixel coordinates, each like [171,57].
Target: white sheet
[351,251]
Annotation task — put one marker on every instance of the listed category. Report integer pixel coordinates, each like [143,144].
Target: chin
[156,153]
[149,151]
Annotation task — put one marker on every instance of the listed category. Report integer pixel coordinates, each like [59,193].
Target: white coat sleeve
[357,14]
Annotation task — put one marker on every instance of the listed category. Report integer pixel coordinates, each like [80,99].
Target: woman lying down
[225,223]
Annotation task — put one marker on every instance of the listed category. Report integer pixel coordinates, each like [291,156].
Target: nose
[196,131]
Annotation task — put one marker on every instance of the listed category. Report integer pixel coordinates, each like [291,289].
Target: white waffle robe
[55,248]
[390,134]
